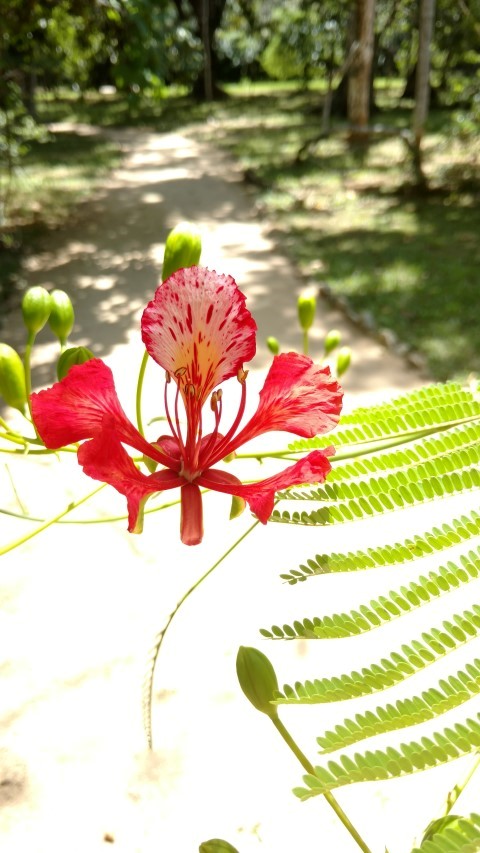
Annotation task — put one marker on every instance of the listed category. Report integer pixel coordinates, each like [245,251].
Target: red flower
[198,329]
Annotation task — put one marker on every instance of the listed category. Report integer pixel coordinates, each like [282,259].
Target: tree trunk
[208,15]
[422,86]
[207,50]
[361,71]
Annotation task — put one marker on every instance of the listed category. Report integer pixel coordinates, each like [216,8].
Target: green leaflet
[385,608]
[427,451]
[437,539]
[449,693]
[396,496]
[441,747]
[434,644]
[447,461]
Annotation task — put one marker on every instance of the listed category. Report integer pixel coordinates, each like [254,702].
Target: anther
[242,375]
[214,401]
[167,377]
[180,372]
[190,389]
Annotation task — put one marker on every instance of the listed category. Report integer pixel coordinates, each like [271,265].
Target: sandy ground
[80,604]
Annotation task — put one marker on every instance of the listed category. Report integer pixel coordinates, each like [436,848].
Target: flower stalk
[332,802]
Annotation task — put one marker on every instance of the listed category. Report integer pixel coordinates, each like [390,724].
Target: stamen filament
[220,449]
[216,406]
[167,412]
[179,431]
[175,432]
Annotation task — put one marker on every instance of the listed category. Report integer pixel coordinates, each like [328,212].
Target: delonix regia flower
[199,331]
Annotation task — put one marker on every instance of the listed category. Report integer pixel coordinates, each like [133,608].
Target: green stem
[148,682]
[45,451]
[28,369]
[138,399]
[12,545]
[285,734]
[458,789]
[14,438]
[305,341]
[109,518]
[364,447]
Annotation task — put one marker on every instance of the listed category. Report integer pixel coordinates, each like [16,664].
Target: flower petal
[103,458]
[260,496]
[78,406]
[298,396]
[197,327]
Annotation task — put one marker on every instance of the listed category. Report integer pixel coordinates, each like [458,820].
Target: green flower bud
[238,506]
[70,357]
[332,340]
[216,845]
[451,821]
[344,358]
[306,311]
[257,679]
[62,316]
[12,378]
[182,249]
[150,464]
[273,345]
[36,307]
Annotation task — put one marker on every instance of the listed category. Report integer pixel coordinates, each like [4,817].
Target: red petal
[298,396]
[103,458]
[197,323]
[261,496]
[191,520]
[79,406]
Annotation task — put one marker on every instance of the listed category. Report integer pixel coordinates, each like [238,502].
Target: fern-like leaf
[440,748]
[436,539]
[383,609]
[377,503]
[450,692]
[434,645]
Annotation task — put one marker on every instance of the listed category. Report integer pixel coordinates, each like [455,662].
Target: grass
[347,216]
[351,218]
[52,179]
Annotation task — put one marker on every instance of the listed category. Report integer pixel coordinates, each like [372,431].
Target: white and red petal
[260,496]
[81,405]
[298,396]
[198,329]
[104,458]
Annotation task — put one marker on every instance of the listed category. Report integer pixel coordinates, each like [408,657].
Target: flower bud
[62,316]
[216,845]
[332,340]
[344,358]
[182,249]
[12,378]
[238,506]
[150,464]
[273,345]
[70,357]
[257,679]
[306,311]
[36,306]
[439,824]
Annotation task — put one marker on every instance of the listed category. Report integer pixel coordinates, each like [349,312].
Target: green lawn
[352,218]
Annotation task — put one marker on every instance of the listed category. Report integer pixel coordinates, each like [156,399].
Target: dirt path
[81,604]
